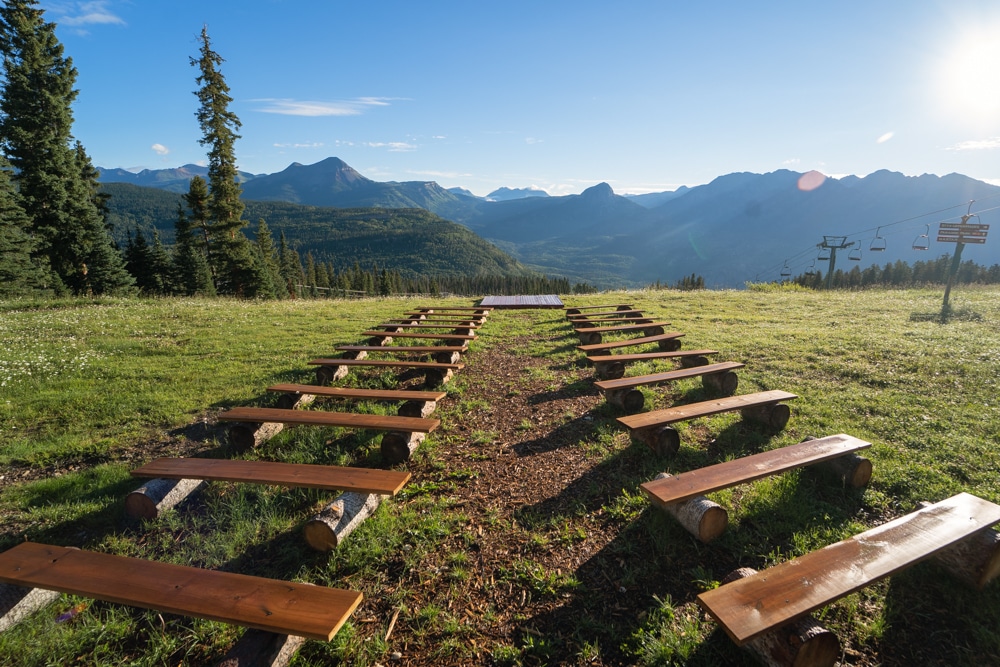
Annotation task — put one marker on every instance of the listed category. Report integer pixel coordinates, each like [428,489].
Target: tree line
[902,274]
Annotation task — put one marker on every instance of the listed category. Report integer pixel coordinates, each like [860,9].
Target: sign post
[959,233]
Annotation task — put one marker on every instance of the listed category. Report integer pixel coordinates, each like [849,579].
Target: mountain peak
[599,191]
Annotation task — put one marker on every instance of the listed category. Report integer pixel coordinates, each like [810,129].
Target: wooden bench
[612,366]
[465,328]
[575,310]
[667,342]
[682,495]
[385,337]
[590,324]
[435,373]
[455,309]
[402,437]
[445,316]
[624,392]
[592,336]
[414,403]
[769,609]
[363,489]
[583,317]
[444,354]
[653,428]
[272,605]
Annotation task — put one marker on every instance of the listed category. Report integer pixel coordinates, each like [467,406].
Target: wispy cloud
[393,146]
[315,144]
[531,141]
[885,137]
[160,149]
[976,145]
[289,107]
[440,174]
[78,14]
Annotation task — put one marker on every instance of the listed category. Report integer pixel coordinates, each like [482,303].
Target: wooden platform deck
[522,301]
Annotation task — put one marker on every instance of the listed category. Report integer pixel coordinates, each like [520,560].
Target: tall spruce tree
[19,273]
[234,262]
[51,174]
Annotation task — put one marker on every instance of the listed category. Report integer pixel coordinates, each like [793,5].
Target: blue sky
[643,95]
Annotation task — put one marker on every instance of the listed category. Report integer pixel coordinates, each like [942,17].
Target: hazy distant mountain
[506,194]
[654,199]
[462,192]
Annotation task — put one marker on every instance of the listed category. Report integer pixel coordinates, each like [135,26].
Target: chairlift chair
[811,269]
[923,242]
[878,243]
[786,272]
[855,254]
[824,254]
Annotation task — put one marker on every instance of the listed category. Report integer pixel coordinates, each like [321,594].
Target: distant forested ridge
[413,241]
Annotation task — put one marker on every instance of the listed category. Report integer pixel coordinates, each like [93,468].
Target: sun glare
[969,76]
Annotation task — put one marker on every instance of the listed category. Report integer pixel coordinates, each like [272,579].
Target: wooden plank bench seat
[414,403]
[607,313]
[653,428]
[445,316]
[763,608]
[593,323]
[445,354]
[624,392]
[667,342]
[478,310]
[292,475]
[612,366]
[386,337]
[283,607]
[575,310]
[402,437]
[438,319]
[592,336]
[436,373]
[427,325]
[682,495]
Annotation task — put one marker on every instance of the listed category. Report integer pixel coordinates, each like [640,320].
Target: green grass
[89,388]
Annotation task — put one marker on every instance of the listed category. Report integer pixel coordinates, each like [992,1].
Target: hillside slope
[412,241]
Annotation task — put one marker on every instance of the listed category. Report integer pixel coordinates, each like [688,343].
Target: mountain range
[738,227]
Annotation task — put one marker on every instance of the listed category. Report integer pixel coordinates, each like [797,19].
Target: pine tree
[234,261]
[190,266]
[19,274]
[270,260]
[55,180]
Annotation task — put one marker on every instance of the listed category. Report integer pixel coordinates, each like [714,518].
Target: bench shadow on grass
[618,587]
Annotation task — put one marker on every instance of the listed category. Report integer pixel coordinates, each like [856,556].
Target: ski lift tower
[832,244]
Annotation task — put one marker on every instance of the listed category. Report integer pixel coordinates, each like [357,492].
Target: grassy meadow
[91,389]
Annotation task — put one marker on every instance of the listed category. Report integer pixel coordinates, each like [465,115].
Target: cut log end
[611,370]
[851,470]
[671,345]
[653,331]
[398,446]
[159,495]
[247,435]
[774,415]
[724,383]
[416,409]
[258,648]
[629,400]
[692,362]
[664,440]
[337,520]
[436,377]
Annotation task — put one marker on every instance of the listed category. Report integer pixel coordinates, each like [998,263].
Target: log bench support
[257,648]
[655,430]
[683,495]
[804,642]
[159,495]
[18,603]
[625,394]
[398,446]
[327,529]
